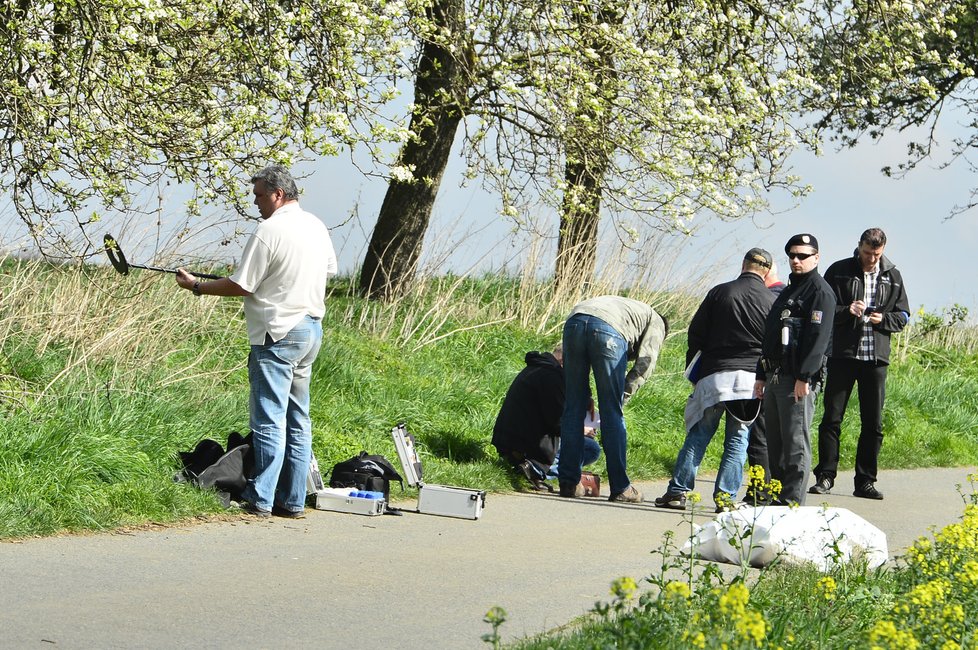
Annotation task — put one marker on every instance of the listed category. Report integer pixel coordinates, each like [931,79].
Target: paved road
[336,580]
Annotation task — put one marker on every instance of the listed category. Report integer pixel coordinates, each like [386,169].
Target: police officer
[797,334]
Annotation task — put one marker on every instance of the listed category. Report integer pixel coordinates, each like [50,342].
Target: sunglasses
[800,256]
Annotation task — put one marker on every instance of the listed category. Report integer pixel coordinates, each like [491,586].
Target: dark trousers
[757,446]
[789,446]
[842,375]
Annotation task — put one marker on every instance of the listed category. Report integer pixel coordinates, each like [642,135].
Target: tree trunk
[439,96]
[577,244]
[588,157]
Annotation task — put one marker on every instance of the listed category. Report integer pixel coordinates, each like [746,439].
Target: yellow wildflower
[696,640]
[676,589]
[734,601]
[968,576]
[624,588]
[826,587]
[752,627]
[886,636]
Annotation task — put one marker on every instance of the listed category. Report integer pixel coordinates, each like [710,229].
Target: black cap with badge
[803,239]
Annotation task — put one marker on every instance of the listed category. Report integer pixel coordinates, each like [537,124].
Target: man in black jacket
[726,331]
[527,429]
[797,334]
[871,304]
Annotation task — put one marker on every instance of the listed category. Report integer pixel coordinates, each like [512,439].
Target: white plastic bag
[822,536]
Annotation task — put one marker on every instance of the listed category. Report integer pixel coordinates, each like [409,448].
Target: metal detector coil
[122,265]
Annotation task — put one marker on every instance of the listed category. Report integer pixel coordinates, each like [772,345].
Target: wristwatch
[196,288]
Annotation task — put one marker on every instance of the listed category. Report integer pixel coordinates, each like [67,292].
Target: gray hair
[277,177]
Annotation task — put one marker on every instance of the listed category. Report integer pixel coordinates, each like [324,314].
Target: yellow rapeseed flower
[755,473]
[752,627]
[734,601]
[676,589]
[886,636]
[968,576]
[826,587]
[696,639]
[624,588]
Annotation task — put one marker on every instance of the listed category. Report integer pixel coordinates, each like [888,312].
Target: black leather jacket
[845,278]
[728,326]
[802,314]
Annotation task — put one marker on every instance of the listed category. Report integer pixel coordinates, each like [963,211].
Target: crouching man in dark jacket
[527,429]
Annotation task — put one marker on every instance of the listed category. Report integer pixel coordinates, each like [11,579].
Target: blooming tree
[890,65]
[103,98]
[650,112]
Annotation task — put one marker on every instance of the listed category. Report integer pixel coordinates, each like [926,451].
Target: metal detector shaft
[122,265]
[206,276]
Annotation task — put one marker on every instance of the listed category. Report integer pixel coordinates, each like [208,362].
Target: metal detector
[119,262]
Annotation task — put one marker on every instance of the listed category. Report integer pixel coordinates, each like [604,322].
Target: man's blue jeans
[590,453]
[590,344]
[731,473]
[279,375]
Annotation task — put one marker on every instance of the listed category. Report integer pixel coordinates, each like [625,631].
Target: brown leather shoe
[630,495]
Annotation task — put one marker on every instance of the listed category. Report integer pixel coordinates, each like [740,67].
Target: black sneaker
[673,501]
[822,486]
[868,491]
[756,499]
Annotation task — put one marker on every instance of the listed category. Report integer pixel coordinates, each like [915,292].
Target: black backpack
[365,472]
[210,466]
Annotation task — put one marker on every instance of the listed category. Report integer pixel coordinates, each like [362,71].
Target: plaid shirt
[867,344]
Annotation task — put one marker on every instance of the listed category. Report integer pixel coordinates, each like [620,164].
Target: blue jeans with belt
[590,344]
[731,472]
[281,429]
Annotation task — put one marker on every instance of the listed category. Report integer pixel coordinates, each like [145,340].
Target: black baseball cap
[760,257]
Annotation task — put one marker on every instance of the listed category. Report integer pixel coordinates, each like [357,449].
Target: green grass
[103,380]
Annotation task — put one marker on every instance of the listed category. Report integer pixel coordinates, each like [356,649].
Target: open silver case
[443,500]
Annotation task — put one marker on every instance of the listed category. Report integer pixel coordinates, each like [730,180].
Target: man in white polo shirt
[282,278]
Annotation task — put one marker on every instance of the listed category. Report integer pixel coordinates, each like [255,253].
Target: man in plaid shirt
[871,305]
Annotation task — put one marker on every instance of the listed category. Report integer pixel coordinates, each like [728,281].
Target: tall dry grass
[92,316]
[435,305]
